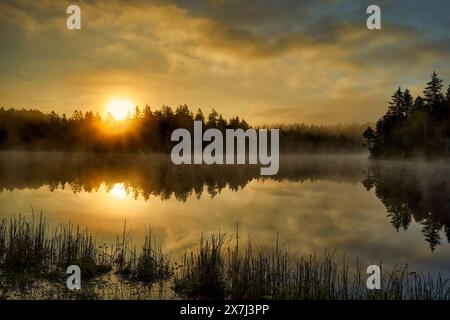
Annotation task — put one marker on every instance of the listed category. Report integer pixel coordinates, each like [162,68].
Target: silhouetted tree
[419,127]
[199,116]
[433,92]
[149,131]
[213,119]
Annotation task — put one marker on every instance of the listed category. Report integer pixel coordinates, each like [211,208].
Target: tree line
[147,130]
[411,127]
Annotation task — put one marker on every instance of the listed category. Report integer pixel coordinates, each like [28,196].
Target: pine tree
[199,116]
[221,123]
[433,92]
[395,106]
[419,104]
[407,103]
[212,119]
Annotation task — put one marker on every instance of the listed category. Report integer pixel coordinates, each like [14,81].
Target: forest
[411,127]
[146,130]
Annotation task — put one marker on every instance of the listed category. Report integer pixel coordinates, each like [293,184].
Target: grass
[22,245]
[30,249]
[216,272]
[147,265]
[219,268]
[202,274]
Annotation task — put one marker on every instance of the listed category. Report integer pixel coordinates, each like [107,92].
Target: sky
[285,61]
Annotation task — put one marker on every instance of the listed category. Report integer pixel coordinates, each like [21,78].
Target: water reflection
[414,191]
[143,176]
[315,201]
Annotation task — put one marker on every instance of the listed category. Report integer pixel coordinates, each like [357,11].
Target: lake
[389,211]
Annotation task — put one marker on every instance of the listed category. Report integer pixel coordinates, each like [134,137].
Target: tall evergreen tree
[433,92]
[419,127]
[213,118]
[199,116]
[407,103]
[395,106]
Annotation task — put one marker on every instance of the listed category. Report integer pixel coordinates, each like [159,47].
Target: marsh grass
[202,273]
[216,272]
[28,249]
[71,246]
[148,265]
[219,268]
[22,245]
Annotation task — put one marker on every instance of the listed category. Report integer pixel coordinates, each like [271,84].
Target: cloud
[311,61]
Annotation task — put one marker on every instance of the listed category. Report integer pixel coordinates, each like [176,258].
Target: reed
[202,273]
[29,247]
[148,265]
[213,272]
[219,268]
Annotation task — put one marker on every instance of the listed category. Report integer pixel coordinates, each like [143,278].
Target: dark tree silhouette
[149,131]
[412,128]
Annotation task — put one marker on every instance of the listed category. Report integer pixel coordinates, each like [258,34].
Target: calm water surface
[395,212]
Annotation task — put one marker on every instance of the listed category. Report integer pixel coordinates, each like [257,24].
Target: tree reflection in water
[409,191]
[144,175]
[414,191]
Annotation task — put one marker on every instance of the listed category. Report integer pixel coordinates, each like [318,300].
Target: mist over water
[389,211]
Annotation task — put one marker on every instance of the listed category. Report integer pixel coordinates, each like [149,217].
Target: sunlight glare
[120,108]
[118,191]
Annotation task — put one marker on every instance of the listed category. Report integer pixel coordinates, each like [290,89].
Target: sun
[118,191]
[120,108]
